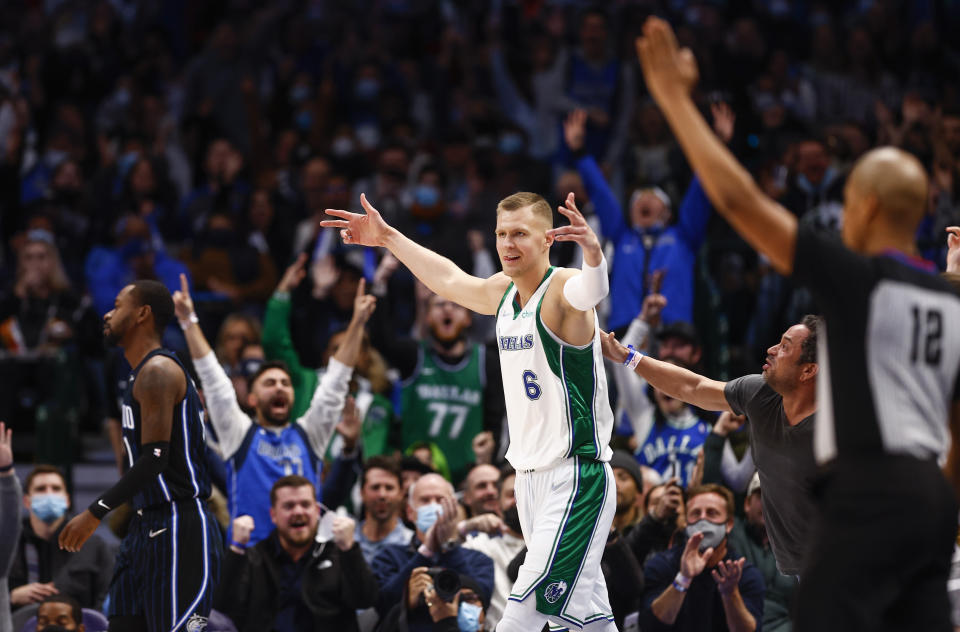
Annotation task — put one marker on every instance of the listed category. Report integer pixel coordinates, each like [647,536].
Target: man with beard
[309,574]
[259,451]
[169,561]
[451,388]
[779,405]
[381,491]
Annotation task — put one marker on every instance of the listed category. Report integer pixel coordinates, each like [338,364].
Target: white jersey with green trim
[556,393]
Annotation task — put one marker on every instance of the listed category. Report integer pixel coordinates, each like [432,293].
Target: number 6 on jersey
[530,384]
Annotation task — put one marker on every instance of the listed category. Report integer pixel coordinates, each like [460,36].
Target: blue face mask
[426,195]
[468,617]
[48,507]
[427,515]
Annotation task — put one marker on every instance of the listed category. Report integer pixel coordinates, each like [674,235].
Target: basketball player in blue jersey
[555,389]
[271,445]
[169,562]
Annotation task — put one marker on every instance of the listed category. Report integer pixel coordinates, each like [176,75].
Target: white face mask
[325,525]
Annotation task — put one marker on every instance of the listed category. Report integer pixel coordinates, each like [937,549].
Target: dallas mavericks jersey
[556,393]
[186,474]
[443,404]
[263,457]
[671,447]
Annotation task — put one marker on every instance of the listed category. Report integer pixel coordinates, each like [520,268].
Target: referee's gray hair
[453,492]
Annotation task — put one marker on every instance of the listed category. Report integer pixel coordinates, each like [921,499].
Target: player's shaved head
[891,181]
[524,199]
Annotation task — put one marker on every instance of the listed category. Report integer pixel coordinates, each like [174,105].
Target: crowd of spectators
[199,144]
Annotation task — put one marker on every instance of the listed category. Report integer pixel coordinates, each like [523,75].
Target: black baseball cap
[626,461]
[679,329]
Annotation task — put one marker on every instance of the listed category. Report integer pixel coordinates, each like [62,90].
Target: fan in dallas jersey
[556,397]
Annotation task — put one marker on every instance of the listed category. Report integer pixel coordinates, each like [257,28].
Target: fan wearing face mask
[701,583]
[308,574]
[40,568]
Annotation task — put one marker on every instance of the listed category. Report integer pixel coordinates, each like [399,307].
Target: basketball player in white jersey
[556,395]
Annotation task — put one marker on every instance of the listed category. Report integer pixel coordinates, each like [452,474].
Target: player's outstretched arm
[159,386]
[582,291]
[438,273]
[673,380]
[670,74]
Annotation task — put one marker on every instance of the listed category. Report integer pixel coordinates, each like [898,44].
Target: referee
[888,382]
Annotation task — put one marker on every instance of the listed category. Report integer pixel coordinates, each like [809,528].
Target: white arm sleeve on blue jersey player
[229,421]
[583,291]
[326,406]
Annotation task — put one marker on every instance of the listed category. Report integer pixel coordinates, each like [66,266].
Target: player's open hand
[953,249]
[182,302]
[669,71]
[727,575]
[363,304]
[294,274]
[365,229]
[6,446]
[612,349]
[578,231]
[78,531]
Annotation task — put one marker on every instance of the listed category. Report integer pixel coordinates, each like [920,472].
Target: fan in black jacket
[290,581]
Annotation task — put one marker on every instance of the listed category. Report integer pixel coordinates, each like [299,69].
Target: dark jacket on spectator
[334,584]
[702,609]
[649,536]
[84,575]
[394,563]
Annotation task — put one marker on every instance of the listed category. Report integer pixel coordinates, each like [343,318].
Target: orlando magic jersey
[186,474]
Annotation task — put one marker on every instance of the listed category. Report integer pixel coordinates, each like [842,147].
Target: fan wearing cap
[749,538]
[665,433]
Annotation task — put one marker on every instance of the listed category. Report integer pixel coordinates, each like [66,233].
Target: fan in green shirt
[369,382]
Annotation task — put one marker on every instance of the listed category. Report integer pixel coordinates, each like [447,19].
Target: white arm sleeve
[583,291]
[229,421]
[326,405]
[637,334]
[634,402]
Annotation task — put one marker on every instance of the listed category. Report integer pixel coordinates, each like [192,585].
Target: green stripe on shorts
[576,534]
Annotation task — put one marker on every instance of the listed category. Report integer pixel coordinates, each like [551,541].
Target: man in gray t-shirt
[783,454]
[779,405]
